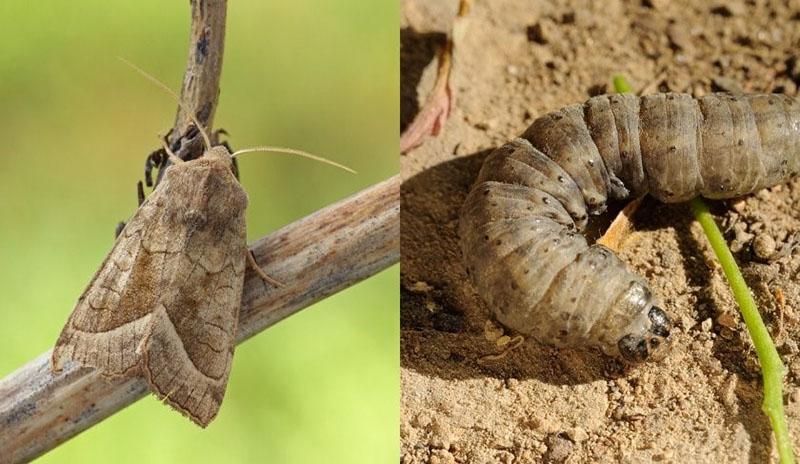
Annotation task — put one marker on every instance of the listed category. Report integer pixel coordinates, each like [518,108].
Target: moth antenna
[292,151]
[174,96]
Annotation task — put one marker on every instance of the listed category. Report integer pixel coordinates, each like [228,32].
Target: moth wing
[188,353]
[112,315]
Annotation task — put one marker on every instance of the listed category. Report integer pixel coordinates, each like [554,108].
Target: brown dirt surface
[516,60]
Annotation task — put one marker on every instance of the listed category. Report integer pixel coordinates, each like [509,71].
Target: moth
[165,302]
[521,224]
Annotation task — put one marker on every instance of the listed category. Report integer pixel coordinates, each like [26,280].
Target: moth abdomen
[518,224]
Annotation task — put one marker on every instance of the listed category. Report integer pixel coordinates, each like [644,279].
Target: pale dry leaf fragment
[510,344]
[621,228]
[434,113]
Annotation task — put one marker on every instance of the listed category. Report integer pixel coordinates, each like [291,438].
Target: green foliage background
[76,125]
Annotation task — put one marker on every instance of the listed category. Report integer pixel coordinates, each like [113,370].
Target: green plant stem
[621,84]
[772,369]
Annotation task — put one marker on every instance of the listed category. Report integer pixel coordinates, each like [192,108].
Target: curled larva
[520,226]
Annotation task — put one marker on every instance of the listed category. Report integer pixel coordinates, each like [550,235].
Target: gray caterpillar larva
[520,225]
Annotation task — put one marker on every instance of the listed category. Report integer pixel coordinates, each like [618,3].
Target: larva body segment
[520,225]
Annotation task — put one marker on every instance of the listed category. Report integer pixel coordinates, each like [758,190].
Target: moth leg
[215,136]
[140,192]
[174,159]
[154,159]
[251,260]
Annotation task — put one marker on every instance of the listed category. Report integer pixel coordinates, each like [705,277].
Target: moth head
[219,153]
[650,344]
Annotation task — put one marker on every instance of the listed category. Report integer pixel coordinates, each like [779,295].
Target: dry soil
[517,60]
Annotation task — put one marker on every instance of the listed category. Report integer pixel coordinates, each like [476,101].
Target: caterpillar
[521,224]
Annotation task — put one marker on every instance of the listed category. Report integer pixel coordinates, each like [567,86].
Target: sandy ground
[701,403]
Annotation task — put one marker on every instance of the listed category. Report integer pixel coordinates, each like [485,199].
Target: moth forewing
[165,302]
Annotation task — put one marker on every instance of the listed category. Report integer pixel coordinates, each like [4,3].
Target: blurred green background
[76,125]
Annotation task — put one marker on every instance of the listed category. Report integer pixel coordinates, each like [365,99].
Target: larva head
[638,347]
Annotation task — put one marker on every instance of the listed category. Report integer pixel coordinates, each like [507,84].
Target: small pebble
[727,320]
[542,32]
[706,325]
[726,84]
[578,434]
[420,287]
[679,37]
[558,448]
[764,246]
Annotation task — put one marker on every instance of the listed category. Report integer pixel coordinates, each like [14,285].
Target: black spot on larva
[740,142]
[561,179]
[673,148]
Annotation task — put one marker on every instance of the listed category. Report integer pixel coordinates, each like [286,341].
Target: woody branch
[315,257]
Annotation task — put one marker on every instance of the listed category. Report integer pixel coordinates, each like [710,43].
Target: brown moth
[165,302]
[520,226]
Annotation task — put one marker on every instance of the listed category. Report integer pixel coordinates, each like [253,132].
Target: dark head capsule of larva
[639,347]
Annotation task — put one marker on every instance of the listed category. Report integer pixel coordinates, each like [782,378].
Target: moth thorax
[218,153]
